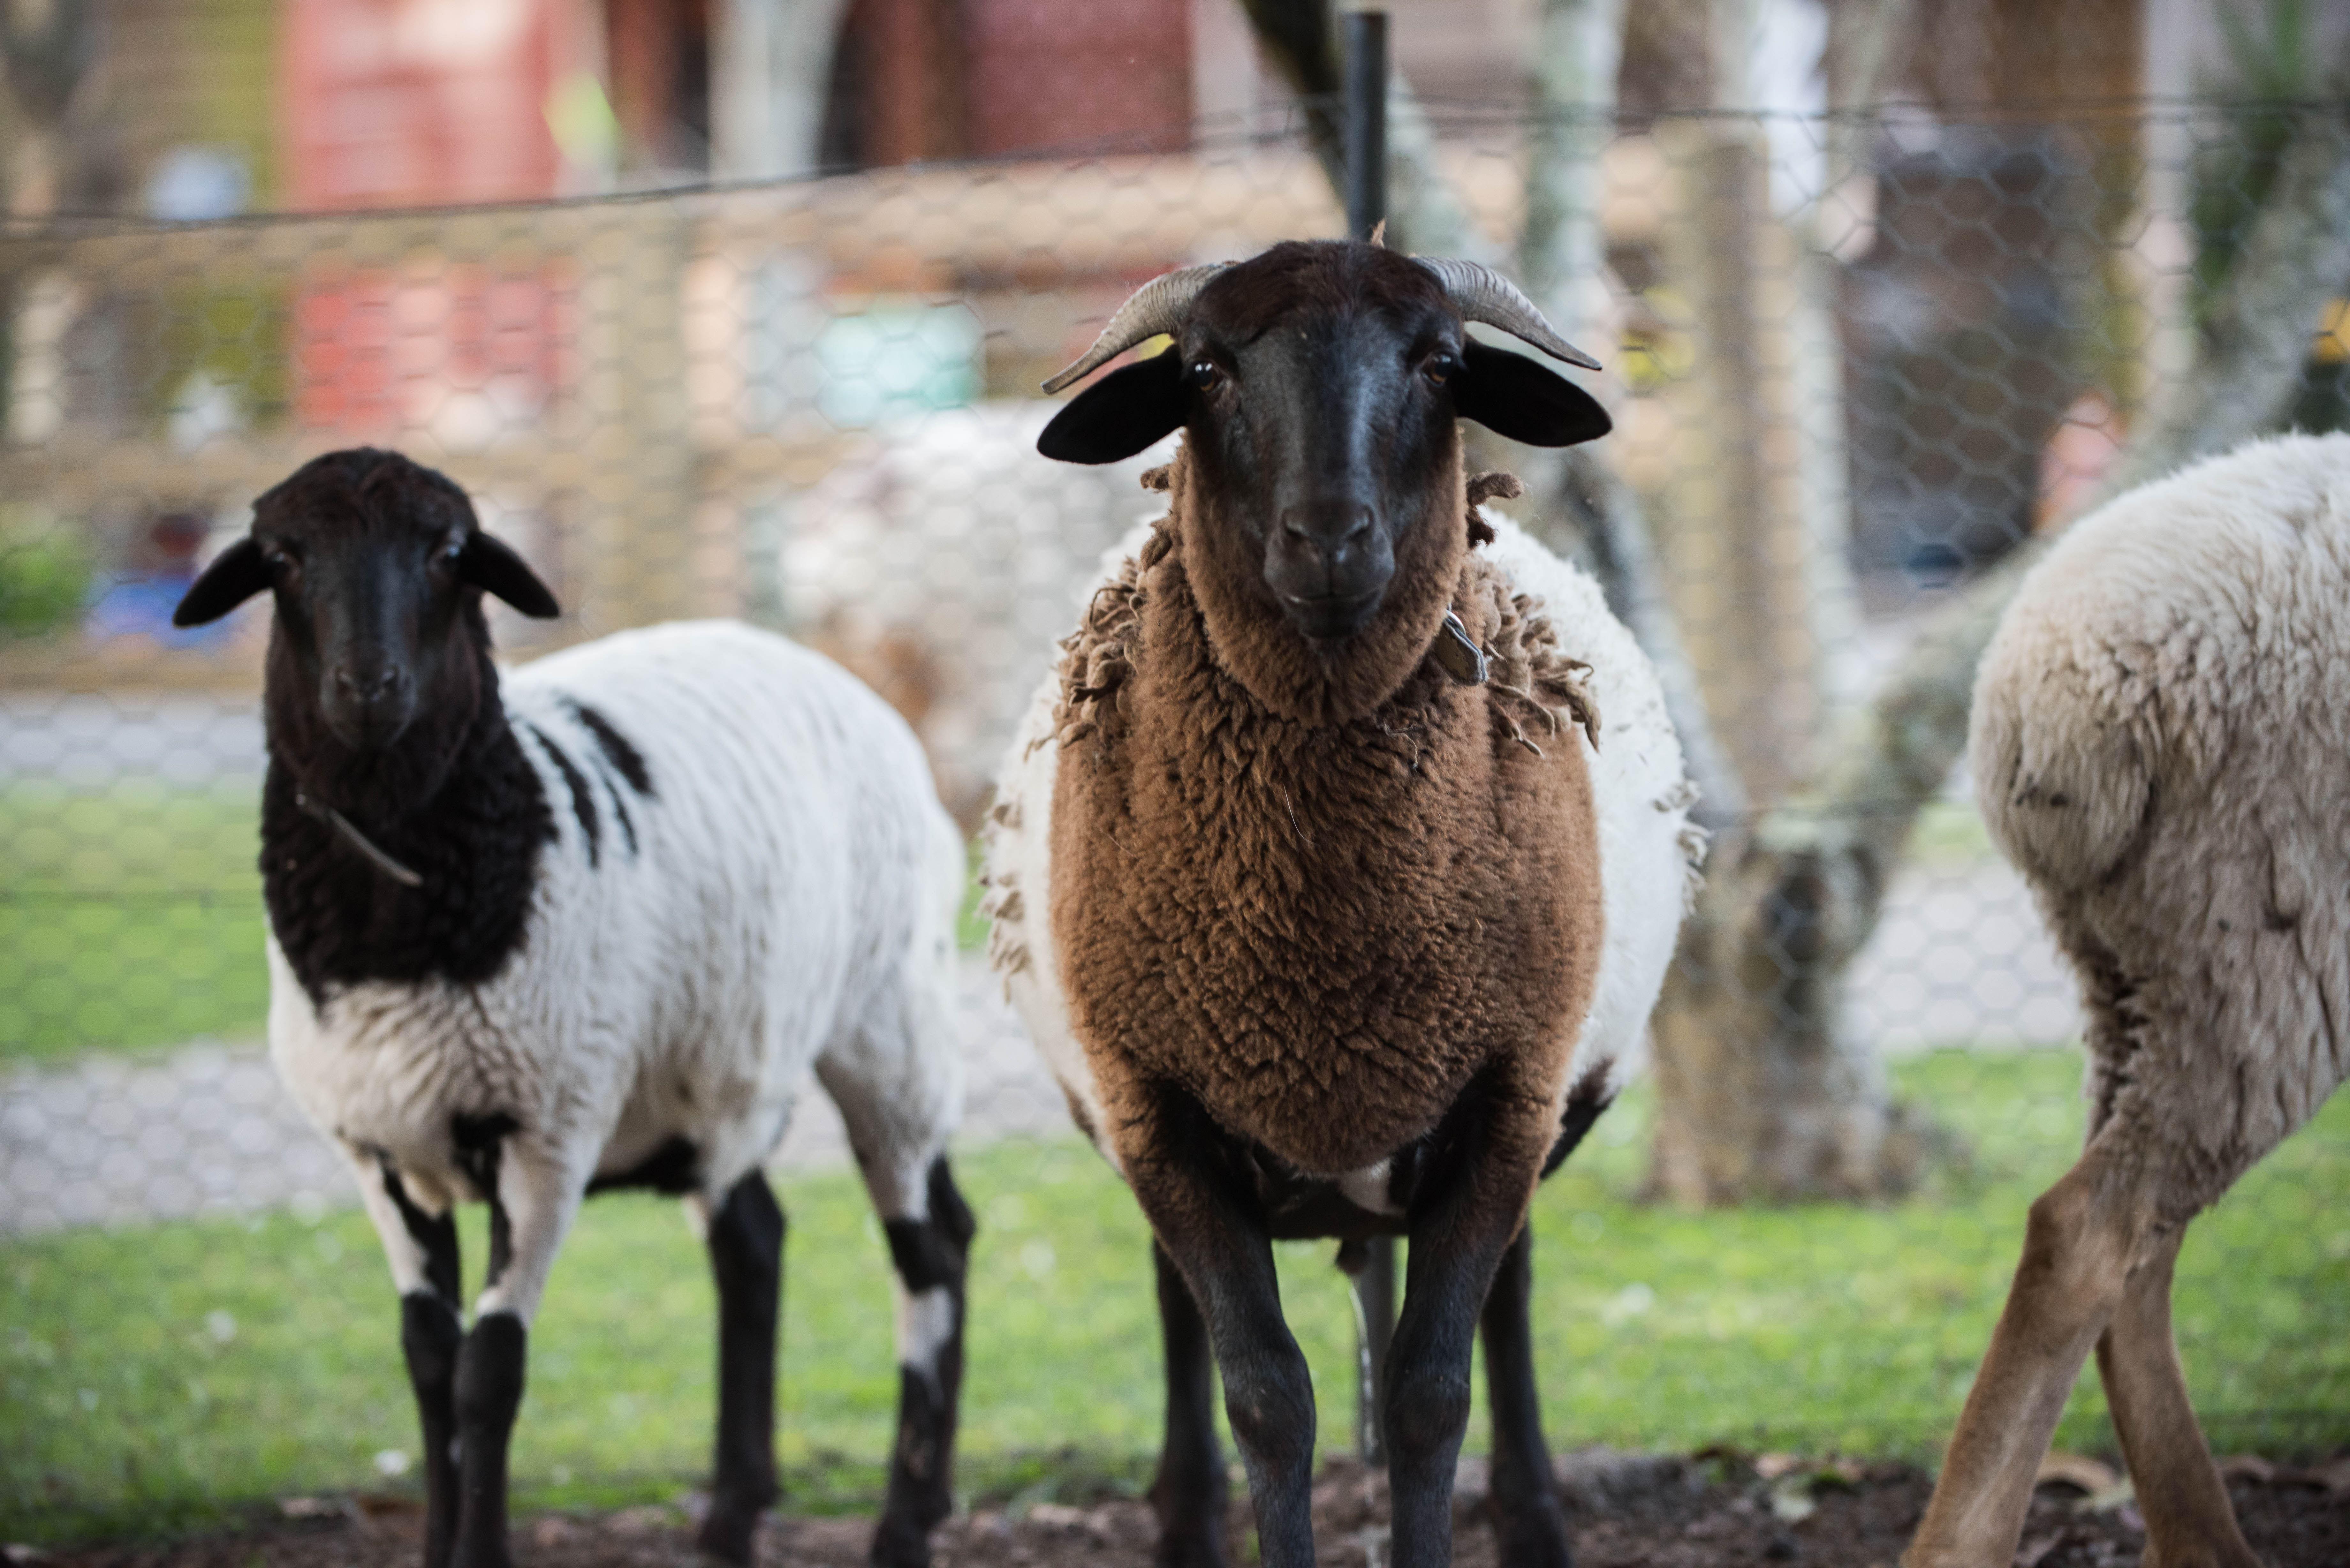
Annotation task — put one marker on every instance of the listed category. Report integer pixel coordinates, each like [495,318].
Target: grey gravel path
[1960,958]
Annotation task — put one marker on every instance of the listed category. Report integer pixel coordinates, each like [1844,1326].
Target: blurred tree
[63,157]
[1300,39]
[770,69]
[1759,1095]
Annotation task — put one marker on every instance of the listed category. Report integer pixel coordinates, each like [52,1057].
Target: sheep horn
[1159,306]
[1480,294]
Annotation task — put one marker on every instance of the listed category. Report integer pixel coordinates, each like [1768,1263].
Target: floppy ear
[236,574]
[1121,414]
[493,569]
[1512,396]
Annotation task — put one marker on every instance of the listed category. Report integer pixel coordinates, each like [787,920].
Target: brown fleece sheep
[1310,873]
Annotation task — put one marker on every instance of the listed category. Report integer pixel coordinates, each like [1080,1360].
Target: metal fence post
[1367,122]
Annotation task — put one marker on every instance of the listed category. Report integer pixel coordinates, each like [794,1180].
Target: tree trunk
[1425,214]
[1758,1096]
[770,62]
[1562,257]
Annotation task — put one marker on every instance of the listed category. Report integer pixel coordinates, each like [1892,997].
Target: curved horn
[1480,294]
[1159,306]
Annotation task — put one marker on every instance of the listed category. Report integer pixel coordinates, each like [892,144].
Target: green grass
[1949,835]
[151,1377]
[129,917]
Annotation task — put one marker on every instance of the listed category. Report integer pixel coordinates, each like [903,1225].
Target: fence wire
[1855,362]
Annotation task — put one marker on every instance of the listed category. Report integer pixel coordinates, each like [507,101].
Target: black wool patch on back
[583,797]
[620,812]
[616,746]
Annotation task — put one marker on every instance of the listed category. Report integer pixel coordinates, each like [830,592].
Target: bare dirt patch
[1709,1511]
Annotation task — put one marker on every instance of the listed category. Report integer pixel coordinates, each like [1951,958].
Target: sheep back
[2161,743]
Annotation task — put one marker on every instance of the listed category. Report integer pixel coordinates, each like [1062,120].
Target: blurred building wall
[395,103]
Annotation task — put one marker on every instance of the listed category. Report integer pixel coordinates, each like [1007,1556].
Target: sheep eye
[1439,368]
[280,558]
[451,551]
[1203,374]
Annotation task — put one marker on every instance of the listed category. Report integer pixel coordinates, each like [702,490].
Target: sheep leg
[532,1200]
[1189,1493]
[1469,1210]
[1204,1211]
[930,1248]
[1373,1282]
[745,1238]
[895,1077]
[2189,1519]
[423,1249]
[1529,1523]
[2081,1241]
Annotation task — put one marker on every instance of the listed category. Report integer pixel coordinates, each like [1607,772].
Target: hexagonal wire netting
[1855,364]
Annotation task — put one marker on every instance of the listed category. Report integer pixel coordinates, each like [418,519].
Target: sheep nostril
[367,685]
[1327,532]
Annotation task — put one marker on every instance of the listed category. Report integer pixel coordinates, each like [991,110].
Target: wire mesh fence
[1854,362]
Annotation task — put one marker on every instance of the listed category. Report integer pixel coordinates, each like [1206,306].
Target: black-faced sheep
[2161,743]
[1318,880]
[589,926]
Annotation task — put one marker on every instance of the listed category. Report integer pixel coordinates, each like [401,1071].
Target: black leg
[1203,1208]
[430,1334]
[1529,1524]
[489,1393]
[1470,1208]
[1190,1492]
[431,1331]
[746,1259]
[931,1255]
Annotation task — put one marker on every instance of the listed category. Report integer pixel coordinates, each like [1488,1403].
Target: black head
[379,566]
[1319,383]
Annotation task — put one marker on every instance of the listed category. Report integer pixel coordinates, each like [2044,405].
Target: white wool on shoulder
[2161,743]
[1648,847]
[780,896]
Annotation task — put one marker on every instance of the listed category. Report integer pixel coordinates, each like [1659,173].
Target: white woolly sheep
[1332,904]
[2161,743]
[589,926]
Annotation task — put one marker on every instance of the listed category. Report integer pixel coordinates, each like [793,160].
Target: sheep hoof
[1190,1549]
[900,1542]
[1530,1532]
[726,1535]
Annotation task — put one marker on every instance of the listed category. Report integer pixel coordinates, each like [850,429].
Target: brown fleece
[1321,893]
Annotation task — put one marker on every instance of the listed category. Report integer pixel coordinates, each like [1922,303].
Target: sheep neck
[1254,642]
[455,800]
[1323,930]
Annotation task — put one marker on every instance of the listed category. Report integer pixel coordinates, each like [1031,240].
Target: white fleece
[2161,743]
[789,904]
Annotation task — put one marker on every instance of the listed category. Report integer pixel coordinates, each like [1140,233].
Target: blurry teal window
[898,359]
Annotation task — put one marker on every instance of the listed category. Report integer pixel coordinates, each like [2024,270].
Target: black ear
[1512,396]
[236,574]
[493,569]
[1121,414]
